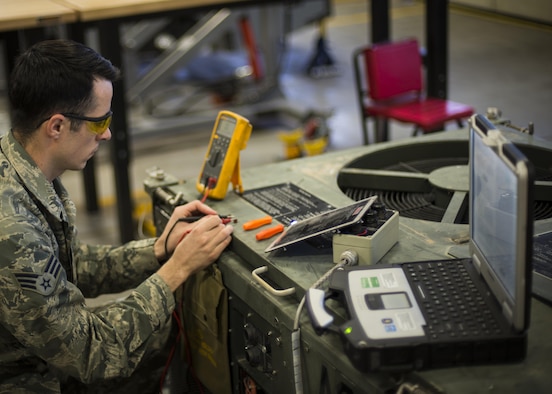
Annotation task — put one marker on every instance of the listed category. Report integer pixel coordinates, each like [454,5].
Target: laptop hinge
[507,311]
[476,262]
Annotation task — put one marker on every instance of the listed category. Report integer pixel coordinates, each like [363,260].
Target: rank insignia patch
[41,283]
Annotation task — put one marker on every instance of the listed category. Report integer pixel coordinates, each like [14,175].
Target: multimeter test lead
[191,219]
[225,219]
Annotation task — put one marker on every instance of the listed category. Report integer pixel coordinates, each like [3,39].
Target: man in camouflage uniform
[60,95]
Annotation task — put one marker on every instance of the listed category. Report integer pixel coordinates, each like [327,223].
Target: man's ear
[54,126]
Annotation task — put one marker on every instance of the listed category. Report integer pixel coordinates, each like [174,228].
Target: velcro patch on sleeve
[42,283]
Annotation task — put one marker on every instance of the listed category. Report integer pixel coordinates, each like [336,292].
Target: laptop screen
[495,212]
[500,218]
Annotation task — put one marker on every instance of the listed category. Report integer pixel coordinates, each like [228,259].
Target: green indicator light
[375,281]
[348,330]
[365,282]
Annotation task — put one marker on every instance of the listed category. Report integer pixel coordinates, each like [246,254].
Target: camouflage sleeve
[44,316]
[108,269]
[59,329]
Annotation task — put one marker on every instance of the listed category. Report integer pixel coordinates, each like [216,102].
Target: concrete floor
[493,62]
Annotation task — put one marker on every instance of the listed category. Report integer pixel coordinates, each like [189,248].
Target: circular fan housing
[429,180]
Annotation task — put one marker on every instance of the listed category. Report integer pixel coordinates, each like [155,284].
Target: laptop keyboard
[452,304]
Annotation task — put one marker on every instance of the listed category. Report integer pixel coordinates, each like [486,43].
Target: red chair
[389,82]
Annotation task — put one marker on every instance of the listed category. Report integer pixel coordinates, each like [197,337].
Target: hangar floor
[493,62]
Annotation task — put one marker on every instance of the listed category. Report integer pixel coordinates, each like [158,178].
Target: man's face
[78,146]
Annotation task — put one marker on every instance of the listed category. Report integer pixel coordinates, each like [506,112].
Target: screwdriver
[256,223]
[269,232]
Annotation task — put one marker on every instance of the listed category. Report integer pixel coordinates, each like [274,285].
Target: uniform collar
[32,177]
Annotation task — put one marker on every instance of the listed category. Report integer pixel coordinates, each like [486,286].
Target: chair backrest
[393,69]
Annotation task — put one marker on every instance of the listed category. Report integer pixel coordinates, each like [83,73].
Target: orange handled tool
[256,223]
[269,232]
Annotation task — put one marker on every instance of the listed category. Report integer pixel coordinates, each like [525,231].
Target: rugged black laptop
[436,314]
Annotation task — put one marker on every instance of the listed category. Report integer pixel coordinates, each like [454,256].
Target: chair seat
[381,108]
[430,114]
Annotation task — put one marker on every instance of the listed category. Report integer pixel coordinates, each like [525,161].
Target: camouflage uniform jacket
[46,331]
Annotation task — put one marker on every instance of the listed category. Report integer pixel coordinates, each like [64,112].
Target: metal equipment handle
[279,293]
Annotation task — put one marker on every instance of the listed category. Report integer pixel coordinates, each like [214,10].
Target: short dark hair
[54,76]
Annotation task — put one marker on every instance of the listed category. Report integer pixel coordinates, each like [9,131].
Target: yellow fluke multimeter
[221,165]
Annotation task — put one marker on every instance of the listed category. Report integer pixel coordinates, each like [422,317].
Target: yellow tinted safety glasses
[95,125]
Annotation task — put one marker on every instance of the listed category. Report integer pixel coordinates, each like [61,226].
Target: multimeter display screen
[226,127]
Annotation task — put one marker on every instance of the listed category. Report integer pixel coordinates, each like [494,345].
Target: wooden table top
[19,14]
[92,10]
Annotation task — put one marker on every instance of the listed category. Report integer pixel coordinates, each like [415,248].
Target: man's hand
[193,246]
[174,230]
[199,248]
